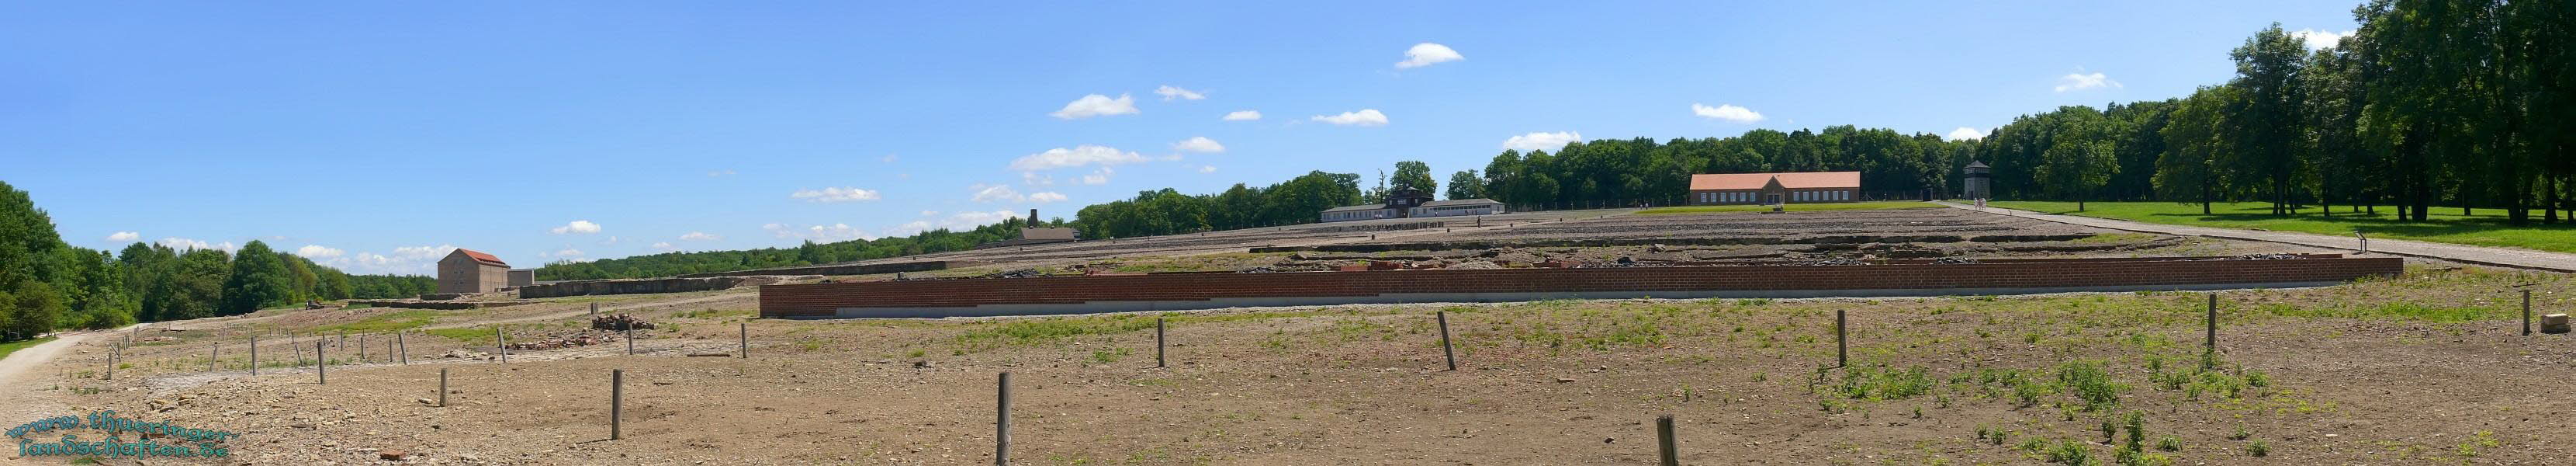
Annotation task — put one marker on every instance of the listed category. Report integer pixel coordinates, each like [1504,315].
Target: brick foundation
[1175,291]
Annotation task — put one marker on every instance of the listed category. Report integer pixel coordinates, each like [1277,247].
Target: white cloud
[2319,40]
[1728,112]
[1207,169]
[717,173]
[927,213]
[960,221]
[888,158]
[700,236]
[1966,133]
[666,246]
[1098,177]
[1541,141]
[1198,144]
[315,251]
[996,193]
[565,252]
[124,236]
[1046,197]
[1242,115]
[1168,92]
[609,241]
[1097,105]
[2078,80]
[819,233]
[834,194]
[185,244]
[577,226]
[1425,54]
[1364,117]
[1077,156]
[423,252]
[1035,179]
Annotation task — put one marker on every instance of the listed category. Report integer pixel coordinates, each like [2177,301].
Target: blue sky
[376,135]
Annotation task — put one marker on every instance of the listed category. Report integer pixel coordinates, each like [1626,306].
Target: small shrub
[2240,434]
[2070,452]
[2169,443]
[2258,449]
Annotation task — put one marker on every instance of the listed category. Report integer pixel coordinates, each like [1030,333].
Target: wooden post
[321,367]
[214,353]
[629,326]
[2212,344]
[1158,342]
[442,387]
[594,309]
[111,360]
[746,339]
[404,351]
[1445,351]
[362,348]
[1842,351]
[616,402]
[2526,313]
[254,355]
[1664,447]
[1002,423]
[501,336]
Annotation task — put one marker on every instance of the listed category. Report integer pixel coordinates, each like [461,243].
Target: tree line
[2467,103]
[809,253]
[46,284]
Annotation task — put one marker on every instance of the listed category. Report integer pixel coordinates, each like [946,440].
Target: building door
[1775,199]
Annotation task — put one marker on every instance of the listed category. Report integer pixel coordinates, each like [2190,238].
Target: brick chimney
[1033,218]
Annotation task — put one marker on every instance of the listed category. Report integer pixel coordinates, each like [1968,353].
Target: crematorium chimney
[1033,218]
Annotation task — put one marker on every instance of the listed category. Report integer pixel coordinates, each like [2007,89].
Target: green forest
[46,285]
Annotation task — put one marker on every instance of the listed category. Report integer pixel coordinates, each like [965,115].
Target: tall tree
[1466,185]
[2267,136]
[1413,174]
[259,279]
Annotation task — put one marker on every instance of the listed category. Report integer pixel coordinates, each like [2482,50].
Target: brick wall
[821,300]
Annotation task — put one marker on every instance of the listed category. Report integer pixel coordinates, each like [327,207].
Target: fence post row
[320,366]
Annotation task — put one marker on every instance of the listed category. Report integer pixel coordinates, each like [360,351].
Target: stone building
[1980,181]
[1774,188]
[523,277]
[469,271]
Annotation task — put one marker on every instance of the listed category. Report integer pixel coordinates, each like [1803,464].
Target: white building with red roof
[1774,188]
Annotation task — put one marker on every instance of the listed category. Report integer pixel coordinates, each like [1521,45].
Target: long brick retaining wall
[1180,291]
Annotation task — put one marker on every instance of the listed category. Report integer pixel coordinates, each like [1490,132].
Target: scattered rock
[393,455]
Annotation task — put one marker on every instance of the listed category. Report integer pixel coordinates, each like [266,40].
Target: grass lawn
[1793,207]
[2488,228]
[12,347]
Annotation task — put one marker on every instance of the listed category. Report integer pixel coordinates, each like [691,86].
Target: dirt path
[2501,257]
[22,389]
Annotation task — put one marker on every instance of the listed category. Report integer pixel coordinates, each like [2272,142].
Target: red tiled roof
[1793,180]
[479,256]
